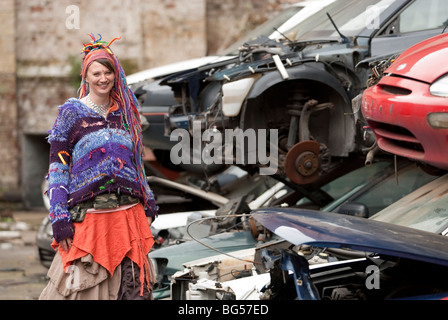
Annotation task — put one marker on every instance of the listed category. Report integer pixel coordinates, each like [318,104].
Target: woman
[101,206]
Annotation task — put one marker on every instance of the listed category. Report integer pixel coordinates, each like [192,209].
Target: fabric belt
[102,201]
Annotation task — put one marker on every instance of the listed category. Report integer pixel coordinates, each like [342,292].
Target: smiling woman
[101,206]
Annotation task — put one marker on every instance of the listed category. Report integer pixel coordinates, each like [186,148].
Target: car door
[419,20]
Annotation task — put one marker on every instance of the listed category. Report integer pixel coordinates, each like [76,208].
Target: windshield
[266,29]
[350,16]
[424,209]
[376,186]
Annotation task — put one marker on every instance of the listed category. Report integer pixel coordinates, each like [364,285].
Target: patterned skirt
[108,253]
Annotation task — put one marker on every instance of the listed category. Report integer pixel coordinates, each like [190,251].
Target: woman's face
[100,79]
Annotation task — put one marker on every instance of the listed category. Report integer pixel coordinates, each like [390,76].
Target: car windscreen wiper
[344,38]
[284,35]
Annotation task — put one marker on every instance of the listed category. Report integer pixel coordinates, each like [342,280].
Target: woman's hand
[149,221]
[66,244]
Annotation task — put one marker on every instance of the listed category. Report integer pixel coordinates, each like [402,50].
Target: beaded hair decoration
[121,94]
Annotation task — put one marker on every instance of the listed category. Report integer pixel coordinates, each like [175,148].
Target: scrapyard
[305,163]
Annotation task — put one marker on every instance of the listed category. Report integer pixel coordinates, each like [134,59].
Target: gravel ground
[22,277]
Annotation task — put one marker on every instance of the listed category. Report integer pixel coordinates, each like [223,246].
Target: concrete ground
[22,277]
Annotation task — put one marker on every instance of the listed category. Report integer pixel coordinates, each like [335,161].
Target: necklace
[100,109]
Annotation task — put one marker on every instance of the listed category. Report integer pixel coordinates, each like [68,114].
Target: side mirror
[354,209]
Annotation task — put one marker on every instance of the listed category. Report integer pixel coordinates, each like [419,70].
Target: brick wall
[9,148]
[228,20]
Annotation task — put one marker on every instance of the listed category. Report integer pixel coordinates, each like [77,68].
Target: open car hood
[331,230]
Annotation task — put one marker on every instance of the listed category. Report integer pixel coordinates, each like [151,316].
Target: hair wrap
[95,55]
[120,93]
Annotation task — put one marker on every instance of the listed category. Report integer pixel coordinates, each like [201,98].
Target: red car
[408,108]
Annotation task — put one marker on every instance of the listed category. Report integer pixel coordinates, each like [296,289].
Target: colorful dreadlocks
[120,93]
[96,50]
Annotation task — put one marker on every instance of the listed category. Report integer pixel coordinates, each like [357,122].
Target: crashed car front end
[295,92]
[298,108]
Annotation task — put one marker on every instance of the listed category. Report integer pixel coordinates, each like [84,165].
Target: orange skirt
[110,237]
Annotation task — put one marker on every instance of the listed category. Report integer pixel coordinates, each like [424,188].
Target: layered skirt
[108,259]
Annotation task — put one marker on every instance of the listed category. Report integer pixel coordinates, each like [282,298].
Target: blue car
[389,256]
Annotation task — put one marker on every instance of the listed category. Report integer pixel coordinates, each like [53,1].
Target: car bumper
[396,110]
[43,243]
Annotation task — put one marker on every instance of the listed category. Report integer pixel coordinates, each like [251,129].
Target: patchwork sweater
[89,156]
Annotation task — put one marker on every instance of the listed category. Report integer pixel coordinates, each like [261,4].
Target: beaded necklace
[100,109]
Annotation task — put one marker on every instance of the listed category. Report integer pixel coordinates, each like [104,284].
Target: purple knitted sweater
[90,155]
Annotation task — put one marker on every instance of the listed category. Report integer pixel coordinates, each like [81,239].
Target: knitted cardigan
[90,155]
